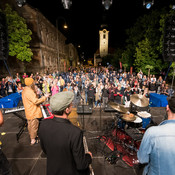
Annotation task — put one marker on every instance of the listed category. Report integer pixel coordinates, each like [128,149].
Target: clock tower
[104,37]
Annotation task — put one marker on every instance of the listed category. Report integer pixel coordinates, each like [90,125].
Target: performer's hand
[47,95]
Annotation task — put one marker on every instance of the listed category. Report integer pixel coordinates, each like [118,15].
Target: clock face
[104,31]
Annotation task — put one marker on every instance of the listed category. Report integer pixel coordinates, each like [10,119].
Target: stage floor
[30,160]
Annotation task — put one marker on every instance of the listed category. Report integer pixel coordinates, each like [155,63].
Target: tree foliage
[19,35]
[145,40]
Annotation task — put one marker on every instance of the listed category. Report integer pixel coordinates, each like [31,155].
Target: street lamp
[65,26]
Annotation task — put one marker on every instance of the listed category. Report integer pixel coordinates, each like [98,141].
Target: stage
[30,160]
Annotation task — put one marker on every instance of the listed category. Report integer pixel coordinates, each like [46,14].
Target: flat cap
[28,81]
[61,100]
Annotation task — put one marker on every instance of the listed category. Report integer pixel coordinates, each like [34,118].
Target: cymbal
[139,100]
[128,117]
[118,107]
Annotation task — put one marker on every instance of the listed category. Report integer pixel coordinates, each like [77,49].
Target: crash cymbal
[128,117]
[139,100]
[118,107]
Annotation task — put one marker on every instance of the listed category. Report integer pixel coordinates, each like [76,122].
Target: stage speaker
[169,39]
[4,45]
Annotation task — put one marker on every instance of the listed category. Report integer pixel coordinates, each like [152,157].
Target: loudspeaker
[4,45]
[169,39]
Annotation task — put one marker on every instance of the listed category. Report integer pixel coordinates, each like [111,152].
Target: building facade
[50,52]
[104,37]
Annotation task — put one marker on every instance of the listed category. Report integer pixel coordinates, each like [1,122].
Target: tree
[19,35]
[145,40]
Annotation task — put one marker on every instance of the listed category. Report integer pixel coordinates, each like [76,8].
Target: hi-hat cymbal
[139,100]
[118,107]
[128,117]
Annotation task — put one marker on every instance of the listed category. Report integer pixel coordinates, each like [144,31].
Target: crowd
[97,85]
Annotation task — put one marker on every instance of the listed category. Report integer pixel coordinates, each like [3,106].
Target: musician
[4,164]
[32,108]
[62,141]
[157,148]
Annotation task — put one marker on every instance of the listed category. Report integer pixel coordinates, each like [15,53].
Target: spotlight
[67,3]
[107,4]
[20,3]
[148,3]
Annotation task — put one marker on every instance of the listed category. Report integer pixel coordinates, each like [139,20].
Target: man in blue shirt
[157,149]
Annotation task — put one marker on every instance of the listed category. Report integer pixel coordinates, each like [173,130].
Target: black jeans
[4,165]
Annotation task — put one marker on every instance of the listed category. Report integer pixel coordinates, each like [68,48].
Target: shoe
[36,142]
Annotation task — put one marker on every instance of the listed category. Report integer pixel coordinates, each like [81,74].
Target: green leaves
[19,35]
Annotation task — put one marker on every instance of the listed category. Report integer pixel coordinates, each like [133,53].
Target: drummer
[157,148]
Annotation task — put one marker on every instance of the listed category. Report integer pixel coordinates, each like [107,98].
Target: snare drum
[146,118]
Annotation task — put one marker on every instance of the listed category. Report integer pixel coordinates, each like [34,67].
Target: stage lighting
[107,4]
[148,3]
[20,3]
[67,3]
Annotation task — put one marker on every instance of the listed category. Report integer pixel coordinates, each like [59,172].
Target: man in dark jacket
[63,142]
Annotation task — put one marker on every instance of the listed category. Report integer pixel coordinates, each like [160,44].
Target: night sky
[85,17]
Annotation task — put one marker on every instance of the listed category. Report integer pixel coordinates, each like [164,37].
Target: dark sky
[85,17]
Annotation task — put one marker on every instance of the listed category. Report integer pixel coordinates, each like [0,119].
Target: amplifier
[87,109]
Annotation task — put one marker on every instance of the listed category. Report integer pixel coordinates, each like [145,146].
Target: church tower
[104,37]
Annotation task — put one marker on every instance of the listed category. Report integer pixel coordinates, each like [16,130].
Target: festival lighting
[20,3]
[148,3]
[67,3]
[107,4]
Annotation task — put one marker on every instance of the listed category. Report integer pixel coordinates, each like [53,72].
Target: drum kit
[137,114]
[129,128]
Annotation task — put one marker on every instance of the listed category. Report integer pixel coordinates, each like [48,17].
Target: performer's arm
[1,118]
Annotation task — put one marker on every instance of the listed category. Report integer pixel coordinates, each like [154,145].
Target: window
[104,36]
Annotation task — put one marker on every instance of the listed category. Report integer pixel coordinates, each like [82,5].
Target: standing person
[62,83]
[157,148]
[32,108]
[4,164]
[90,95]
[105,95]
[55,88]
[62,141]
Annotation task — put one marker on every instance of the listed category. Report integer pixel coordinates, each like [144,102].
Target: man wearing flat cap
[61,141]
[32,108]
[157,149]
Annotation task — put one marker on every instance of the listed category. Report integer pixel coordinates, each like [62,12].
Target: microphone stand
[82,107]
[100,112]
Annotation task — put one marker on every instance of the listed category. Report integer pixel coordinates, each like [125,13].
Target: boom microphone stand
[82,107]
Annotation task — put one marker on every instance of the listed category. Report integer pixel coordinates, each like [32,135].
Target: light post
[65,26]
